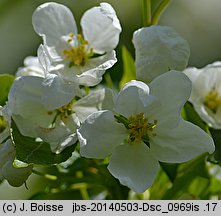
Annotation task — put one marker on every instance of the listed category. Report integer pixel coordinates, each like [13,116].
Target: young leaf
[129,72]
[31,152]
[187,173]
[5,85]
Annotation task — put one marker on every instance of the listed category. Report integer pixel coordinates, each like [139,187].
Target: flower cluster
[52,105]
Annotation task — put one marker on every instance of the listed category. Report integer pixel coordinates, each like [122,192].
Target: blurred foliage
[6,81]
[129,72]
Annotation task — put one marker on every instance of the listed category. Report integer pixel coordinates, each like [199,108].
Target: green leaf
[170,169]
[31,152]
[5,85]
[192,116]
[215,186]
[198,187]
[96,175]
[216,156]
[90,176]
[160,186]
[129,72]
[187,173]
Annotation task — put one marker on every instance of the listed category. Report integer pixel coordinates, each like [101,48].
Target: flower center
[213,100]
[79,51]
[138,127]
[63,112]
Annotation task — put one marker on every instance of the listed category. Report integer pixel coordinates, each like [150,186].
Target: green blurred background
[197,21]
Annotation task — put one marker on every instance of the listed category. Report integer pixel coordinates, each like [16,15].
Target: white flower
[145,127]
[32,67]
[34,118]
[82,58]
[15,176]
[206,92]
[159,49]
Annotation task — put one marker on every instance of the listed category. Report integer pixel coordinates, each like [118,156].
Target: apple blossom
[206,92]
[81,58]
[57,126]
[144,127]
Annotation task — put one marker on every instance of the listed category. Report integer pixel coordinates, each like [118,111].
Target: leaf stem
[146,13]
[158,12]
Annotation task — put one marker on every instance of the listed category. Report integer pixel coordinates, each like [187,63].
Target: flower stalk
[159,11]
[146,13]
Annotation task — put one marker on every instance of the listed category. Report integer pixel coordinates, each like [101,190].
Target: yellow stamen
[213,100]
[139,128]
[71,35]
[62,112]
[79,55]
[65,110]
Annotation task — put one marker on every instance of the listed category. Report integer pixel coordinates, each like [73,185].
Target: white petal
[25,96]
[26,126]
[30,71]
[31,61]
[92,72]
[57,92]
[172,89]
[59,137]
[44,58]
[51,21]
[158,50]
[133,98]
[71,122]
[16,176]
[6,113]
[211,118]
[193,74]
[4,134]
[134,166]
[180,144]
[101,28]
[90,103]
[24,102]
[99,134]
[109,100]
[7,153]
[32,67]
[208,78]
